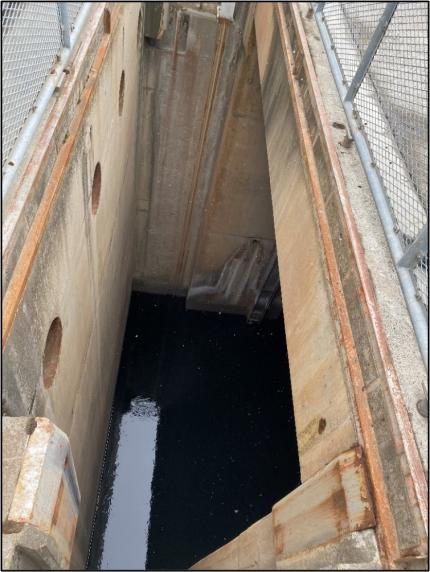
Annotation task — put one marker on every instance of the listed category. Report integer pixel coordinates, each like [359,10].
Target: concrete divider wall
[205,221]
[346,392]
[81,272]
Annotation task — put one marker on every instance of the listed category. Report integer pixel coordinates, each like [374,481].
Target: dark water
[202,439]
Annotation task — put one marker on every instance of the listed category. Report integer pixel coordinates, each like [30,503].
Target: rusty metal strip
[370,305]
[382,506]
[18,282]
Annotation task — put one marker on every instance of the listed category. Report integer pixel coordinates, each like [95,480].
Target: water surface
[202,439]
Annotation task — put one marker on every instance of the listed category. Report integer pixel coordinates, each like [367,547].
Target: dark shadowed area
[202,439]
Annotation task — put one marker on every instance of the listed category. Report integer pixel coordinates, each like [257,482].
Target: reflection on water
[202,439]
[126,506]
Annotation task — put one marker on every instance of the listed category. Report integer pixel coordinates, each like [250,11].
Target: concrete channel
[190,181]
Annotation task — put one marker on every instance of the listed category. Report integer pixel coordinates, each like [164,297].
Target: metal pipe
[64,22]
[416,310]
[34,120]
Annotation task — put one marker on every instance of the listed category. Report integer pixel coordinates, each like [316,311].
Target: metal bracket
[418,248]
[370,52]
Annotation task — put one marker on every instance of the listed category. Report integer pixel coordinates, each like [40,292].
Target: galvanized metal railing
[37,40]
[378,54]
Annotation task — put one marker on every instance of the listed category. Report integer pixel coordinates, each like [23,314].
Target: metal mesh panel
[31,40]
[392,106]
[73,11]
[351,25]
[399,73]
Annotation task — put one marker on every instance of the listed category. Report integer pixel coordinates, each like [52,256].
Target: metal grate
[33,37]
[378,53]
[73,11]
[399,75]
[349,41]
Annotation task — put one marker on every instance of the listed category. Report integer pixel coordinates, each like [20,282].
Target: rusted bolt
[423,407]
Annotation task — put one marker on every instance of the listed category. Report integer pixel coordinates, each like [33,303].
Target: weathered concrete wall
[175,84]
[237,222]
[204,213]
[401,339]
[346,388]
[200,182]
[81,269]
[325,422]
[325,282]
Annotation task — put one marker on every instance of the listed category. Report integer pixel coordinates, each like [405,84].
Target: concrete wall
[345,384]
[325,422]
[187,156]
[346,359]
[81,271]
[204,213]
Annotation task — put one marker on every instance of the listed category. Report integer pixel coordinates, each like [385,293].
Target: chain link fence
[378,52]
[33,36]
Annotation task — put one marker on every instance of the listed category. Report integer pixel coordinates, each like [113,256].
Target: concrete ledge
[41,497]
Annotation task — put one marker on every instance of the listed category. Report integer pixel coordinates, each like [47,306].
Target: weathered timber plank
[334,502]
[251,550]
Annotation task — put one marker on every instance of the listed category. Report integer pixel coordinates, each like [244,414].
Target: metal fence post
[372,46]
[64,23]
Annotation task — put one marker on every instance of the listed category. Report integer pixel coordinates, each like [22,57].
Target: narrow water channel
[202,439]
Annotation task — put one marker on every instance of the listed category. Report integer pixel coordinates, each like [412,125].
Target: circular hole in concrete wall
[51,355]
[97,185]
[121,93]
